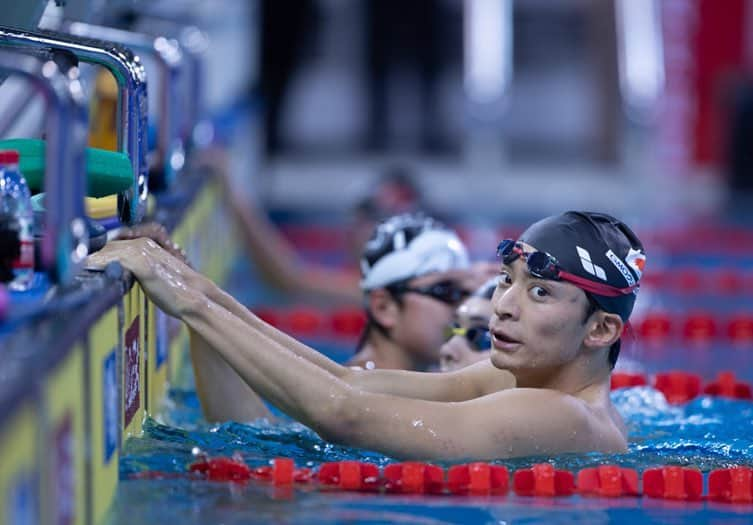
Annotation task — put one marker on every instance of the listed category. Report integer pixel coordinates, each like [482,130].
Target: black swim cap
[594,246]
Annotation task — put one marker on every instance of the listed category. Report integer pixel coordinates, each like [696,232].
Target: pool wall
[79,379]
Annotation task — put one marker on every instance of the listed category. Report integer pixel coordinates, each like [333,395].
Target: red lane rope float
[477,478]
[740,329]
[655,327]
[727,385]
[700,327]
[731,485]
[348,322]
[608,481]
[222,469]
[349,475]
[676,483]
[306,321]
[543,480]
[678,387]
[688,281]
[269,316]
[728,281]
[414,478]
[658,327]
[626,380]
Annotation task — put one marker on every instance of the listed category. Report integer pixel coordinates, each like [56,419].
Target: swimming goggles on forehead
[544,266]
[447,292]
[478,336]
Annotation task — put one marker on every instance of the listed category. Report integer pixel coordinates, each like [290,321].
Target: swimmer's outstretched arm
[505,424]
[217,382]
[274,255]
[508,423]
[468,383]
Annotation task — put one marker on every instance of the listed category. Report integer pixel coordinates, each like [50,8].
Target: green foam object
[107,172]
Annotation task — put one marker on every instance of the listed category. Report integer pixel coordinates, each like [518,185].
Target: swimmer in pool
[415,272]
[567,286]
[468,337]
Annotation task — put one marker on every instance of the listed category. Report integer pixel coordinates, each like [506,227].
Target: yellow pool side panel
[19,470]
[63,478]
[105,410]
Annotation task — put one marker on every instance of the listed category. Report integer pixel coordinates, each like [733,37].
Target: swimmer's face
[420,326]
[537,324]
[458,352]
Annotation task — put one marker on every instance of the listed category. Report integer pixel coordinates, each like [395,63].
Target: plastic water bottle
[15,200]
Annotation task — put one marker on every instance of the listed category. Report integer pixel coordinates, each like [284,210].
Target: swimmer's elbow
[344,421]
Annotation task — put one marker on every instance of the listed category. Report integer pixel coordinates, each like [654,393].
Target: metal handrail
[168,54]
[65,244]
[132,102]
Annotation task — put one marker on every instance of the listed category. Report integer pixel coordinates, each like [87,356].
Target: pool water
[707,433]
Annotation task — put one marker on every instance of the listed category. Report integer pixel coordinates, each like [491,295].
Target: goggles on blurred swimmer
[545,266]
[447,292]
[478,336]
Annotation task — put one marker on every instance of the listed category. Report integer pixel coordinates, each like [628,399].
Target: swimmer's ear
[383,307]
[604,329]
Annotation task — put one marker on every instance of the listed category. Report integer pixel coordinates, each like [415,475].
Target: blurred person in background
[468,338]
[415,273]
[285,29]
[403,42]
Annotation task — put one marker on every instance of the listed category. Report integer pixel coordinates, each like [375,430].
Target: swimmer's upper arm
[468,383]
[485,378]
[505,424]
[429,386]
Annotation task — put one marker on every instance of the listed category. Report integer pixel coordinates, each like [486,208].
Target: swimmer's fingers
[158,234]
[136,256]
[99,260]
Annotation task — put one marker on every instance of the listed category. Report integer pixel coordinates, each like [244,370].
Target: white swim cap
[407,246]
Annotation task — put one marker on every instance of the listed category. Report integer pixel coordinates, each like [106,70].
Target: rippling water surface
[707,433]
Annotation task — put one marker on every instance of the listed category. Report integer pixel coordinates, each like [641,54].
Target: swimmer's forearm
[223,394]
[227,301]
[270,369]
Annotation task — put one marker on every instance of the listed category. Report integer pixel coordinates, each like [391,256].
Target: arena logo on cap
[588,265]
[636,259]
[621,267]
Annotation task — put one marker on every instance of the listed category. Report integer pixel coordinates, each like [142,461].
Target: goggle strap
[595,288]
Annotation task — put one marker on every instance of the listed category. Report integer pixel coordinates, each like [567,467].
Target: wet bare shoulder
[543,421]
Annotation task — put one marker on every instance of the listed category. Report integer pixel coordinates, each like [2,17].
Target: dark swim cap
[594,246]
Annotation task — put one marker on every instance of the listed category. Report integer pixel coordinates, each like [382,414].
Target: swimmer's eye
[504,278]
[539,292]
